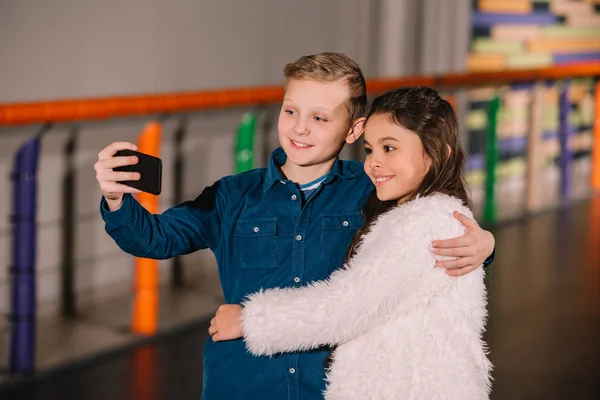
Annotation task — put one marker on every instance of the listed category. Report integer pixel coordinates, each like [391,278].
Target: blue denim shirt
[263,237]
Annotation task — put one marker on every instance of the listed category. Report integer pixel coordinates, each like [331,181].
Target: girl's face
[396,161]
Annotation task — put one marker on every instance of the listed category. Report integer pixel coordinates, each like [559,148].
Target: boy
[281,226]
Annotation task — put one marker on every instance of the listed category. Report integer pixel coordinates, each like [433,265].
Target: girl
[402,328]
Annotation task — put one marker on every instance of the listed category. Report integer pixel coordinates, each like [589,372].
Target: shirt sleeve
[488,261]
[190,226]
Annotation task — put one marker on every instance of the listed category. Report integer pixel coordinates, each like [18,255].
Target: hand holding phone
[120,167]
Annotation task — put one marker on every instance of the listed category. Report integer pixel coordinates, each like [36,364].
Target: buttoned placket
[297,273]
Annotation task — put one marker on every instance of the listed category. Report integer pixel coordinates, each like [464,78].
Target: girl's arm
[397,268]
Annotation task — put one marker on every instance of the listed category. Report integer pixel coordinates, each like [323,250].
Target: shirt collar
[278,158]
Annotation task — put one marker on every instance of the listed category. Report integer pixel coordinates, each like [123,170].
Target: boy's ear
[356,130]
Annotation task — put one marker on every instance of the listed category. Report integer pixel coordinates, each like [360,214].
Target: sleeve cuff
[488,261]
[122,215]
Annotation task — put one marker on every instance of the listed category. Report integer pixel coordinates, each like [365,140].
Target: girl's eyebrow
[388,138]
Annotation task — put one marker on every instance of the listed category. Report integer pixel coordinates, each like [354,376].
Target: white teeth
[300,144]
[379,180]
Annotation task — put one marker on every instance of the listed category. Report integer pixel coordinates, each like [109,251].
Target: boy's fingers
[113,187]
[466,221]
[112,148]
[455,272]
[466,251]
[115,162]
[461,271]
[120,176]
[212,330]
[455,264]
[461,241]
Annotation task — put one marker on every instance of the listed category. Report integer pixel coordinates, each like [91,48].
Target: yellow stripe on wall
[486,62]
[547,45]
[505,6]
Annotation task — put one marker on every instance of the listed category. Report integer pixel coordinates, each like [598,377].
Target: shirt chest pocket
[257,242]
[337,233]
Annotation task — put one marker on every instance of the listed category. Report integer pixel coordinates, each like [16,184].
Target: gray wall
[83,48]
[75,48]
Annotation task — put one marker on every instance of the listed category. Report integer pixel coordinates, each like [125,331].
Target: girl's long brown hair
[421,110]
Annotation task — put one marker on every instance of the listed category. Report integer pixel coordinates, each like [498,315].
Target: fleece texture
[402,328]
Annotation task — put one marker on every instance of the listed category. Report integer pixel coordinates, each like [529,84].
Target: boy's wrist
[114,204]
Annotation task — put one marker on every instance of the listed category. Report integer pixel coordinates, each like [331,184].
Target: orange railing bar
[580,70]
[125,106]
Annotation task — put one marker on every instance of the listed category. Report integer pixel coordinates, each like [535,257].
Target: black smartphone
[149,167]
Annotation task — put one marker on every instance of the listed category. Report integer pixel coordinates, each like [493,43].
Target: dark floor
[543,329]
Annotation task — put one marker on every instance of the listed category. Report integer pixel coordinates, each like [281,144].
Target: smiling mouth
[300,145]
[382,180]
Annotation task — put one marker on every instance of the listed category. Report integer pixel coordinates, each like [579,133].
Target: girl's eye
[289,112]
[387,149]
[368,151]
[319,119]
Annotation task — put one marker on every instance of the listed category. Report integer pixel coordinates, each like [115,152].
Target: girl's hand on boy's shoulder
[227,323]
[470,250]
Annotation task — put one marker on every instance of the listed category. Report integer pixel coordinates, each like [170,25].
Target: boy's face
[313,122]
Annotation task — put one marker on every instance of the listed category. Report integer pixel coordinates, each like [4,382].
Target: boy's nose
[301,129]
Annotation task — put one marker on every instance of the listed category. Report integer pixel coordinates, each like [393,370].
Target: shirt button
[345,223]
[294,197]
[256,229]
[297,280]
[292,370]
[298,238]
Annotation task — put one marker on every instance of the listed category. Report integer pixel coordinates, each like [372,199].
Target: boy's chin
[308,157]
[305,161]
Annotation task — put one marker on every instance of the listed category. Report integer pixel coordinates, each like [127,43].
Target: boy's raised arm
[190,226]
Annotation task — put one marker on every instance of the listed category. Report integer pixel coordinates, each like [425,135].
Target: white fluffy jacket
[403,329]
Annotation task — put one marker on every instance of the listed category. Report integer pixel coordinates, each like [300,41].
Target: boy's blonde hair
[331,67]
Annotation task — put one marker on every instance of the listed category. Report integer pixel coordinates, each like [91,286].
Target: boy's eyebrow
[290,101]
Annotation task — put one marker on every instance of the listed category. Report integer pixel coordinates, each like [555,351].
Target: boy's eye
[387,149]
[368,151]
[319,119]
[289,112]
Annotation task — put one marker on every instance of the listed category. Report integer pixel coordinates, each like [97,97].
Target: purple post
[22,314]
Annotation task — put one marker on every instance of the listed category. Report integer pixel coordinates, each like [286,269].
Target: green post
[489,207]
[244,143]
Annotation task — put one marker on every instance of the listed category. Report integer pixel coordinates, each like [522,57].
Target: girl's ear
[356,130]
